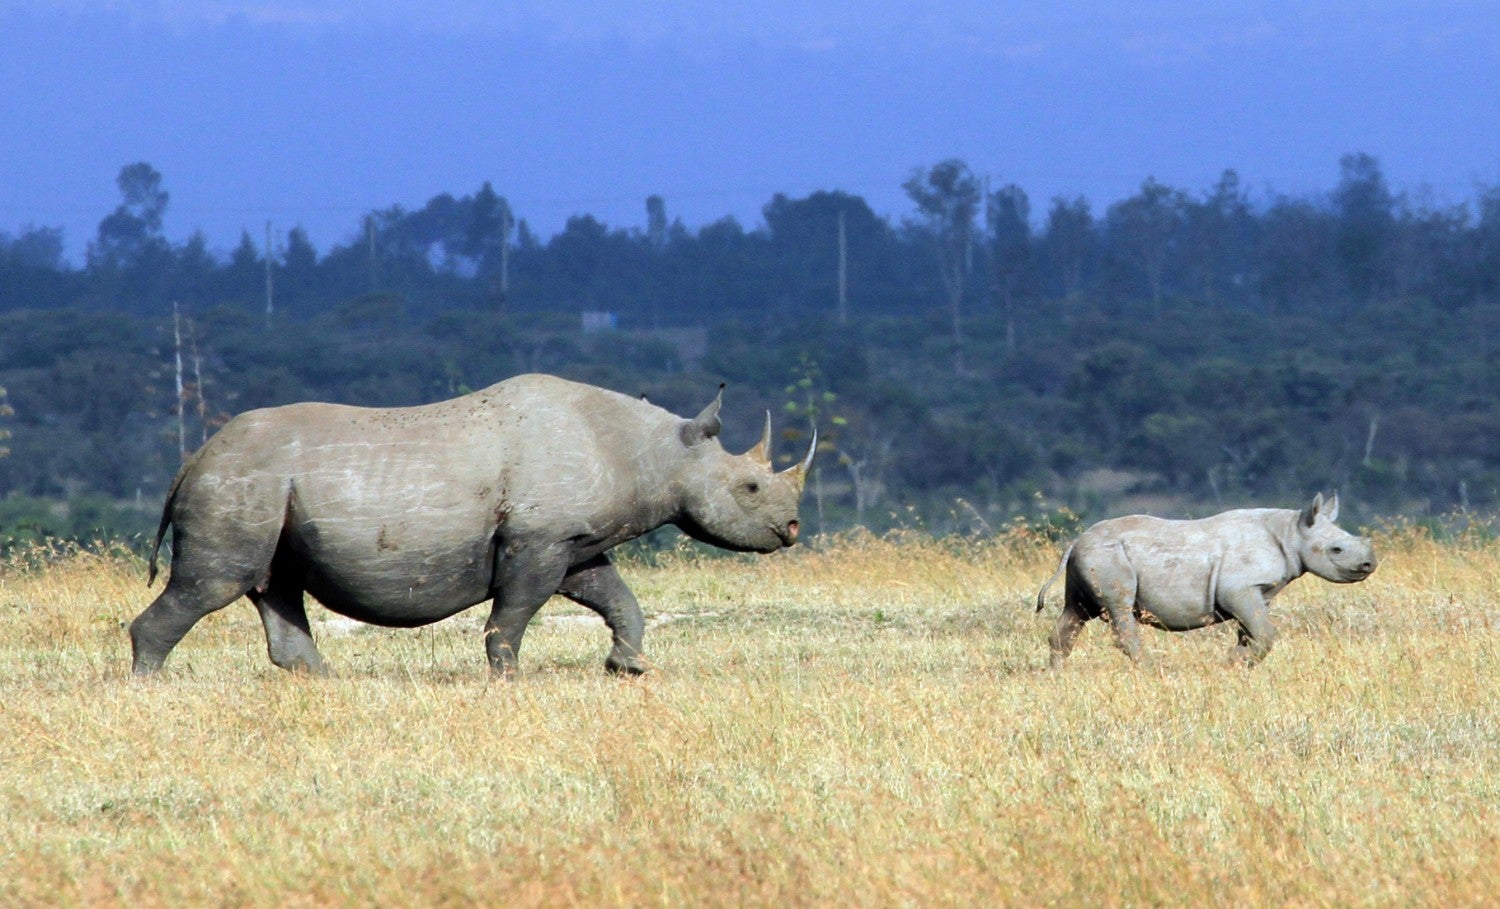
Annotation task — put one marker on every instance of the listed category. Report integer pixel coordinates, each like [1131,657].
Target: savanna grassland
[862,722]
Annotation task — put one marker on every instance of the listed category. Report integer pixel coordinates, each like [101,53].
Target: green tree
[298,277]
[947,198]
[1008,212]
[1143,227]
[1428,254]
[487,242]
[656,222]
[1114,387]
[1069,243]
[131,234]
[1487,242]
[1218,234]
[1295,257]
[33,273]
[1366,225]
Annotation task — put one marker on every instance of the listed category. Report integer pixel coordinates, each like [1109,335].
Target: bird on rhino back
[1181,575]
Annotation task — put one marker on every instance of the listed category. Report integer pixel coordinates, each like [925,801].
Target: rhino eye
[1336,550]
[752,487]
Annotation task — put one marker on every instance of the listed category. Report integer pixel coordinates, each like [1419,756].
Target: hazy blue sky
[313,112]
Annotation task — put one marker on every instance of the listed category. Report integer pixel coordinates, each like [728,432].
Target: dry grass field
[864,722]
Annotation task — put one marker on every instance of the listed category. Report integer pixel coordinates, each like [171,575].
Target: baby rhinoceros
[1181,575]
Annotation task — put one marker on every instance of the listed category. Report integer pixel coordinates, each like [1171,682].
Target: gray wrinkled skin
[405,516]
[1181,575]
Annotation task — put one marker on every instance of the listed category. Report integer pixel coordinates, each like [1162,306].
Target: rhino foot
[627,665]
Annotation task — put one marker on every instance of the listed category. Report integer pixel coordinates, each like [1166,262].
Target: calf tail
[1041,595]
[166,520]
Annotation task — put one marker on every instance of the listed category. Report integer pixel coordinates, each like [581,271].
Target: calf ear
[705,425]
[1310,513]
[1331,510]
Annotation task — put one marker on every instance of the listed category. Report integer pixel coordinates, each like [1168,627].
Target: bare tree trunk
[817,473]
[1370,439]
[856,478]
[1008,298]
[198,383]
[270,282]
[865,486]
[955,307]
[370,242]
[504,262]
[177,375]
[1153,277]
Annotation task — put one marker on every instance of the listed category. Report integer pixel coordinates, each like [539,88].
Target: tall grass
[865,722]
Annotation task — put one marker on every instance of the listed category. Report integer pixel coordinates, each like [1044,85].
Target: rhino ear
[1310,513]
[1331,509]
[705,425]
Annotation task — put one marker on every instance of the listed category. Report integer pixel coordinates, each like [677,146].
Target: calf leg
[288,636]
[177,609]
[597,585]
[524,580]
[1256,634]
[1067,629]
[1127,631]
[1107,574]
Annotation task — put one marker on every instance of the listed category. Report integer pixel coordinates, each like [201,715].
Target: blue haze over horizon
[315,112]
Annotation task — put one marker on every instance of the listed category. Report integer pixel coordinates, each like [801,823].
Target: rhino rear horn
[705,425]
[761,453]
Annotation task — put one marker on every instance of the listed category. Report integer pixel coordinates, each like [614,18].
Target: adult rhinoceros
[405,516]
[1181,575]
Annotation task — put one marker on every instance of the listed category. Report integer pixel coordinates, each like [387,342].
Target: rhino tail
[1041,595]
[166,520]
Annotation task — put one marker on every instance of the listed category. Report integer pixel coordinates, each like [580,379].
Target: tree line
[1181,349]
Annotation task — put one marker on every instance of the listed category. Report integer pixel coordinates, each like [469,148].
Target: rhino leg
[219,553]
[288,636]
[1069,625]
[597,585]
[1112,580]
[1256,634]
[524,580]
[177,609]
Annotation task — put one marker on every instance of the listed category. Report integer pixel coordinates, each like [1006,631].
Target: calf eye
[1336,550]
[752,487]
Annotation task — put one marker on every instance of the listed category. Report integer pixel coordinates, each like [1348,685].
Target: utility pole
[198,383]
[270,282]
[370,239]
[177,374]
[984,228]
[843,272]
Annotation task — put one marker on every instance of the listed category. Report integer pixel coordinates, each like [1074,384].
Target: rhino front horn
[800,470]
[762,450]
